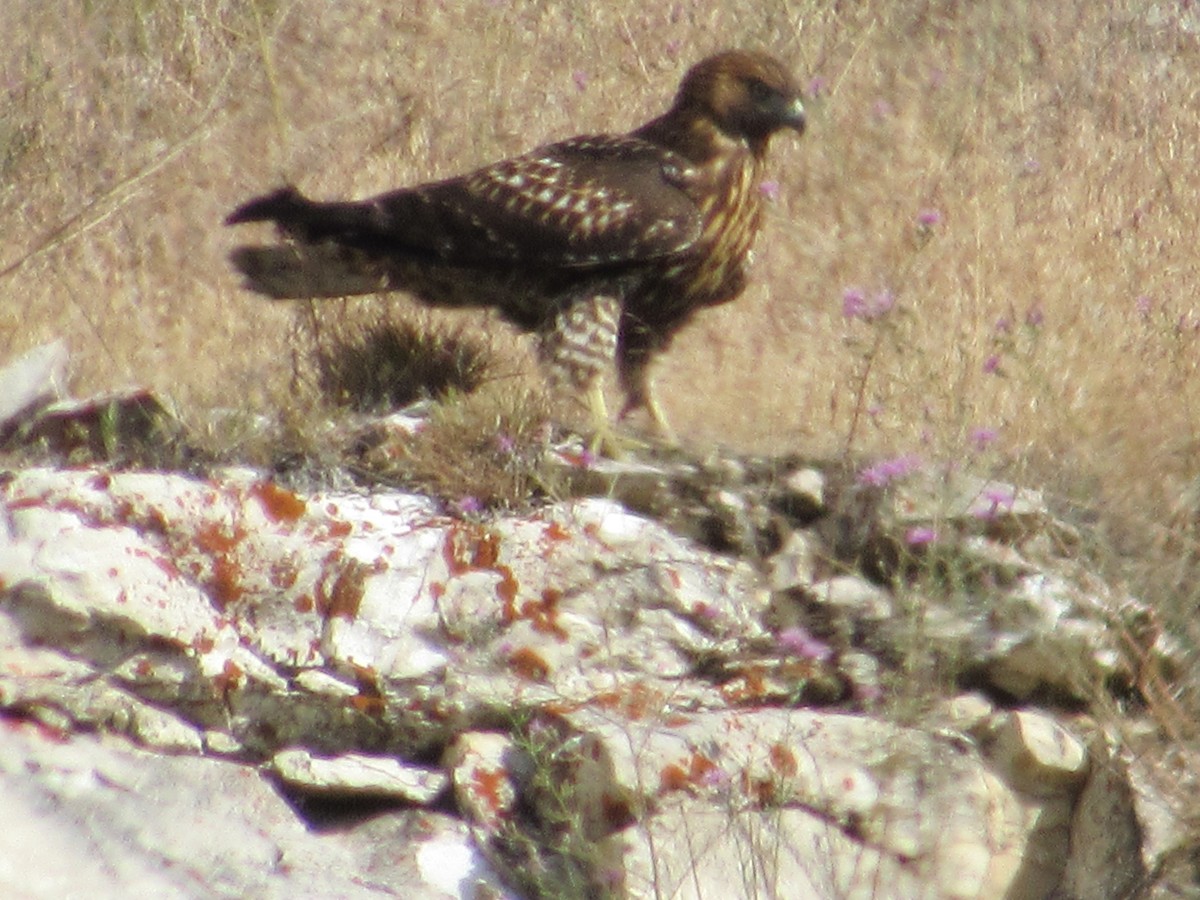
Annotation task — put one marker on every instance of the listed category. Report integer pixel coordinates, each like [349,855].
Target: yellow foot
[663,432]
[608,442]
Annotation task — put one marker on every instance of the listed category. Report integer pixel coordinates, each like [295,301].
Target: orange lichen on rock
[279,504]
[696,771]
[529,664]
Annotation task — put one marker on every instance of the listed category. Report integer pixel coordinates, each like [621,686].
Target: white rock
[117,822]
[807,485]
[693,851]
[968,713]
[909,796]
[358,774]
[794,563]
[854,597]
[234,617]
[36,377]
[485,769]
[451,862]
[1037,754]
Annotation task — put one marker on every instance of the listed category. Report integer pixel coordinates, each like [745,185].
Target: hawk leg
[637,345]
[575,351]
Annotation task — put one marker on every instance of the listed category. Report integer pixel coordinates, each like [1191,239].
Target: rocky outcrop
[718,677]
[221,686]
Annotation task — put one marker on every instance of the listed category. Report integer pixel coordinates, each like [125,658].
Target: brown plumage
[603,245]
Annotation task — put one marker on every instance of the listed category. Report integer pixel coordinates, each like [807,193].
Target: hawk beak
[793,116]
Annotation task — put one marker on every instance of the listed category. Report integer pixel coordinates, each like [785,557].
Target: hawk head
[747,95]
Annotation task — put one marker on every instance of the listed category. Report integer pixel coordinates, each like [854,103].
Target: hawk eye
[760,91]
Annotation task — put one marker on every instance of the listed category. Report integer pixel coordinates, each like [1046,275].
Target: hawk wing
[588,202]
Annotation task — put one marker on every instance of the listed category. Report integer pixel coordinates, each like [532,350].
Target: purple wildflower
[991,365]
[467,505]
[817,86]
[1002,326]
[928,218]
[854,303]
[982,438]
[992,501]
[1034,317]
[886,471]
[769,188]
[1144,306]
[1002,495]
[714,777]
[505,444]
[883,303]
[798,641]
[857,305]
[919,536]
[581,79]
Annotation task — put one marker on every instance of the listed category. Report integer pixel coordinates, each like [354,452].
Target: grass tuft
[382,365]
[485,450]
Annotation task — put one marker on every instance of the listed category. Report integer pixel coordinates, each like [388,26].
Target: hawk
[602,245]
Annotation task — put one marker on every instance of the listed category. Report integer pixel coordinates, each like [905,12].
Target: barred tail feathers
[303,271]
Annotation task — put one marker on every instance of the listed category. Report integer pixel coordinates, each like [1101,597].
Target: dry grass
[479,451]
[1056,142]
[1055,145]
[375,362]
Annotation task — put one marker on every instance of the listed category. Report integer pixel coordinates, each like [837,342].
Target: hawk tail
[302,271]
[284,205]
[328,258]
[306,219]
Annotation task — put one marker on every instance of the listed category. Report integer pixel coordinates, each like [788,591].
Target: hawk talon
[610,444]
[663,431]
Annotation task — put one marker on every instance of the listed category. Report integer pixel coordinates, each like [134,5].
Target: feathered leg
[577,348]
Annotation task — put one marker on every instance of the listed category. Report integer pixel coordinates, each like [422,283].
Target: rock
[1105,861]
[1043,635]
[121,423]
[691,850]
[612,700]
[851,602]
[1127,836]
[963,498]
[802,496]
[726,503]
[969,714]
[923,806]
[120,822]
[1037,754]
[794,565]
[487,772]
[358,775]
[641,486]
[31,381]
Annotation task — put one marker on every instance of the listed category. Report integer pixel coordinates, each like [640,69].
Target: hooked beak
[792,115]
